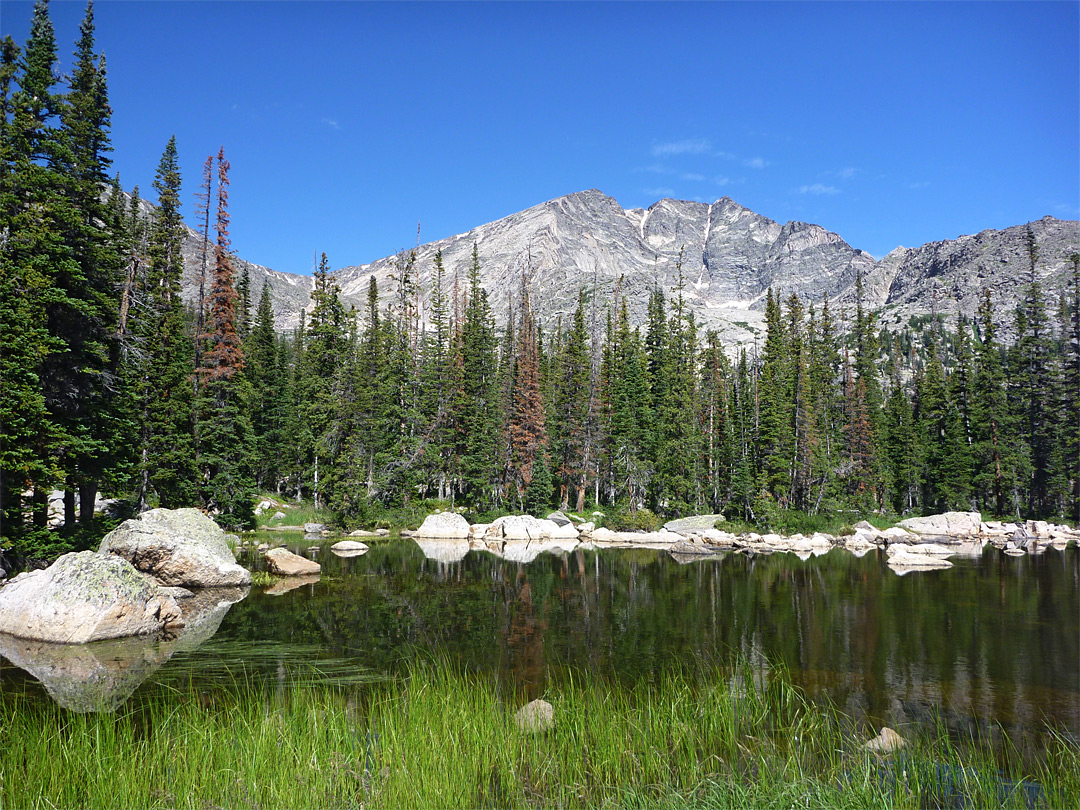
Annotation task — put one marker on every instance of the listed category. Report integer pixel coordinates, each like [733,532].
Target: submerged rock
[284,563]
[84,597]
[534,717]
[177,547]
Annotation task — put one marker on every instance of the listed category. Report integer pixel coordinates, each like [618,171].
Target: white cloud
[330,122]
[659,192]
[920,184]
[720,180]
[756,163]
[847,173]
[818,188]
[689,146]
[693,178]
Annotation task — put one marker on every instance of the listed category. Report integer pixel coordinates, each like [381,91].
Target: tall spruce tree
[224,401]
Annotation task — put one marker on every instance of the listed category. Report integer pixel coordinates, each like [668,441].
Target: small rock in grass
[537,716]
[886,742]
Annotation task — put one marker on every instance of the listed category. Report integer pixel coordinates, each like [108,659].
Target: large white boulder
[444,526]
[951,524]
[85,597]
[178,547]
[527,527]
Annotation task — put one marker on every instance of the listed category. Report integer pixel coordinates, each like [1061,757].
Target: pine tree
[571,410]
[167,452]
[479,418]
[264,372]
[224,402]
[525,430]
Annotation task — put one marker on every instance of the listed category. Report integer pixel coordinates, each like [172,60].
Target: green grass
[443,737]
[296,514]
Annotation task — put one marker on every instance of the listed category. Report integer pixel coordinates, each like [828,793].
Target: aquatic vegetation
[441,736]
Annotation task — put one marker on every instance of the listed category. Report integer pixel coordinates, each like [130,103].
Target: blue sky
[347,123]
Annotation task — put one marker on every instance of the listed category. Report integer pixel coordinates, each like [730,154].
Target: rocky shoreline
[915,544]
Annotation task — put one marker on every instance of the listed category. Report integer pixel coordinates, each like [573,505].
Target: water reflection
[992,641]
[102,675]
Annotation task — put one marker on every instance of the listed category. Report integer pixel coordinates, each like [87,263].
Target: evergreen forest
[112,384]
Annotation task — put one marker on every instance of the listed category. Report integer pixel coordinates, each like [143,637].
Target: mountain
[729,257]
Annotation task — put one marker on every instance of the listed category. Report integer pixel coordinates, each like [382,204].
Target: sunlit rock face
[85,597]
[178,547]
[721,257]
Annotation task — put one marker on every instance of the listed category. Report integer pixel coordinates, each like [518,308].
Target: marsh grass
[444,737]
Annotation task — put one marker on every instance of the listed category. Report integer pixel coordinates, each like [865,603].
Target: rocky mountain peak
[730,256]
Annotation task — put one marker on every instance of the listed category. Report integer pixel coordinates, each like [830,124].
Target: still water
[992,644]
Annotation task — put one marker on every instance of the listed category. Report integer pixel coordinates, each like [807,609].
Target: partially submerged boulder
[527,527]
[284,563]
[84,597]
[349,548]
[949,524]
[177,547]
[444,526]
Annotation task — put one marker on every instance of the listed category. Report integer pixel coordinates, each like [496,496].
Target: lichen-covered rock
[85,597]
[444,526]
[178,547]
[284,563]
[697,524]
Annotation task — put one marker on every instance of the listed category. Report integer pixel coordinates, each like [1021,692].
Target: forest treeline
[112,383]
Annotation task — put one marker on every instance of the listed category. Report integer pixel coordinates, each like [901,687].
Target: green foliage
[638,520]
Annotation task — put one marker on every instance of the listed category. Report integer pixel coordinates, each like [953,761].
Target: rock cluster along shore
[129,587]
[922,543]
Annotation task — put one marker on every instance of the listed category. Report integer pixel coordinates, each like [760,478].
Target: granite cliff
[729,257]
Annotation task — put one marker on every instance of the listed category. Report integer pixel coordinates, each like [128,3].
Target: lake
[991,644]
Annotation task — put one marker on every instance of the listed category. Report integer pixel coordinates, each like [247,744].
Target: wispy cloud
[692,177]
[1068,210]
[847,172]
[756,163]
[688,146]
[919,184]
[330,122]
[818,188]
[659,192]
[720,180]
